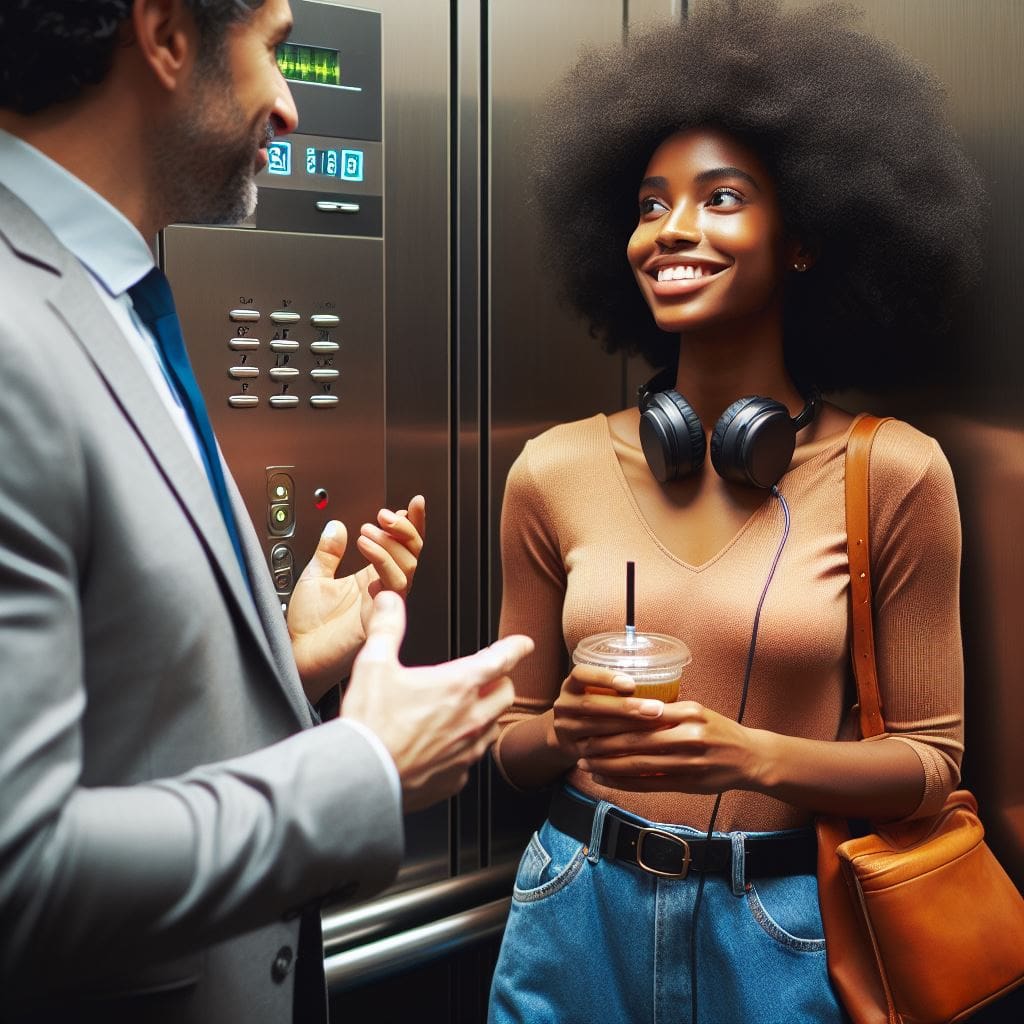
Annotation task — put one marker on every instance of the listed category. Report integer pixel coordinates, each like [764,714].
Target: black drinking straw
[630,598]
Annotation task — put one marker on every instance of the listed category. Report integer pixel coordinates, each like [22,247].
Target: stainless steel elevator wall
[545,369]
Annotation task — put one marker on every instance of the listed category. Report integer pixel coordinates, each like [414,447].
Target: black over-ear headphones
[752,443]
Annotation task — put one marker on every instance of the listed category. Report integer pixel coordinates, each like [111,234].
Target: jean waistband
[668,855]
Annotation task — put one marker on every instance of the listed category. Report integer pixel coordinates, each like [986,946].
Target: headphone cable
[739,718]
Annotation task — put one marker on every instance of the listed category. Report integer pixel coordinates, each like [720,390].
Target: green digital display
[313,64]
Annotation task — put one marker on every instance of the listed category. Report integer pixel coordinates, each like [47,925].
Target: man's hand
[436,721]
[327,617]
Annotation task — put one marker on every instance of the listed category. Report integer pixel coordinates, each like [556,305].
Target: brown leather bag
[922,925]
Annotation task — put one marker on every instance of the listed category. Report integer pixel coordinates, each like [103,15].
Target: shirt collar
[103,240]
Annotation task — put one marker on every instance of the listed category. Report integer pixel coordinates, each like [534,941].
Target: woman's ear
[167,38]
[801,256]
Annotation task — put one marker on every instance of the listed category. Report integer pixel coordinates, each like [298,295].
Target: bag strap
[858,548]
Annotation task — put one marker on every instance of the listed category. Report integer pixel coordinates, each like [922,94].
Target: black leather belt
[671,856]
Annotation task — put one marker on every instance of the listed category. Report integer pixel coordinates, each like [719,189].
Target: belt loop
[597,830]
[739,867]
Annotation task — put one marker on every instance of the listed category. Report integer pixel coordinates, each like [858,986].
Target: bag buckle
[643,834]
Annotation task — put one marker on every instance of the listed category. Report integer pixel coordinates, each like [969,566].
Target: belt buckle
[641,839]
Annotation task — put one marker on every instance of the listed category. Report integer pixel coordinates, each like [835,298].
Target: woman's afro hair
[868,169]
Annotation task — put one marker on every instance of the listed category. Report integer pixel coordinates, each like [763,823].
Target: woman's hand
[595,703]
[327,617]
[692,749]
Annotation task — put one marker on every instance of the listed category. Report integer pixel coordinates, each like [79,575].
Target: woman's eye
[725,198]
[649,204]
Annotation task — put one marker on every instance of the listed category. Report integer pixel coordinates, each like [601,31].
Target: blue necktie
[154,303]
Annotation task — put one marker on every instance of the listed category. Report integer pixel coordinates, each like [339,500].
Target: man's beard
[204,167]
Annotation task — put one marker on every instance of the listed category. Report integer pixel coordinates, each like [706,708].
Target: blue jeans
[591,940]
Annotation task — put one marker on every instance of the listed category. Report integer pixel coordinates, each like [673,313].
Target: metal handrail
[370,922]
[375,960]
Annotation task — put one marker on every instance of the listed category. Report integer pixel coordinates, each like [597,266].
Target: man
[169,818]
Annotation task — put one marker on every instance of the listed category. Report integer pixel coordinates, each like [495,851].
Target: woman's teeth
[682,273]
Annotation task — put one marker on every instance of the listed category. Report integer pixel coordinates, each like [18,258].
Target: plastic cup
[654,660]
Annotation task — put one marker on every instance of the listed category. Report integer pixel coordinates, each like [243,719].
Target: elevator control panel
[283,315]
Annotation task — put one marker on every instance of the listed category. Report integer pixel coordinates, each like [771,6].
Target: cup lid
[650,656]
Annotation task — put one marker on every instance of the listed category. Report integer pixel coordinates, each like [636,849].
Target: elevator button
[283,345]
[279,487]
[283,401]
[285,316]
[244,316]
[244,344]
[328,206]
[281,518]
[325,320]
[323,401]
[324,373]
[324,347]
[244,372]
[243,401]
[283,372]
[281,557]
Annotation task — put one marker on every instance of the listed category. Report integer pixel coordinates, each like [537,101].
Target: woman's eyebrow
[655,182]
[658,182]
[725,172]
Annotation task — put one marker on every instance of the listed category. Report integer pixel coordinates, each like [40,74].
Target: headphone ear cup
[671,436]
[753,442]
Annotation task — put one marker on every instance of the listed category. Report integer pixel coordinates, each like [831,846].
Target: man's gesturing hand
[436,721]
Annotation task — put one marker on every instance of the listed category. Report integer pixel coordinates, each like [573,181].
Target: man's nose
[284,117]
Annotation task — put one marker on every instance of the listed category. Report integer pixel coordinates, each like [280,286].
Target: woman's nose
[680,227]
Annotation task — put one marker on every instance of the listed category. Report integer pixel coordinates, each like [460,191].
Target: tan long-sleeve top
[570,523]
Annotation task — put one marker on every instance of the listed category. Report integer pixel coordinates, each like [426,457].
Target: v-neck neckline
[838,443]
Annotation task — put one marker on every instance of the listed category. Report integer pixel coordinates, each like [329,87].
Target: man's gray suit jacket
[166,809]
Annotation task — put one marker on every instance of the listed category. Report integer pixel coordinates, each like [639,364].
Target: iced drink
[655,661]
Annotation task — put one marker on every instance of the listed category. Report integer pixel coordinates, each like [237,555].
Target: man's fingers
[330,550]
[394,564]
[385,630]
[481,668]
[401,526]
[417,514]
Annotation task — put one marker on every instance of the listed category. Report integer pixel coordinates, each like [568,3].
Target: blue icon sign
[310,160]
[280,157]
[351,165]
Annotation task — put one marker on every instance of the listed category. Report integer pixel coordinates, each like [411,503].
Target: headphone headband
[665,380]
[752,443]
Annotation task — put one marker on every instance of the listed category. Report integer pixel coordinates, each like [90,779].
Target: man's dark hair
[868,170]
[51,49]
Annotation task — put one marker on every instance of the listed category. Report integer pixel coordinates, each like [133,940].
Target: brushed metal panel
[541,366]
[974,48]
[544,367]
[215,270]
[417,330]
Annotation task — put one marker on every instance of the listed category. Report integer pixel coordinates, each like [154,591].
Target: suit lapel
[76,303]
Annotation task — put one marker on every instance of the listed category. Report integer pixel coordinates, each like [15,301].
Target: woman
[796,216]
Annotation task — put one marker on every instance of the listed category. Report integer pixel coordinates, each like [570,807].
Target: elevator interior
[388,312]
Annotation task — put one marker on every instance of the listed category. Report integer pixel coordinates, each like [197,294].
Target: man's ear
[167,38]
